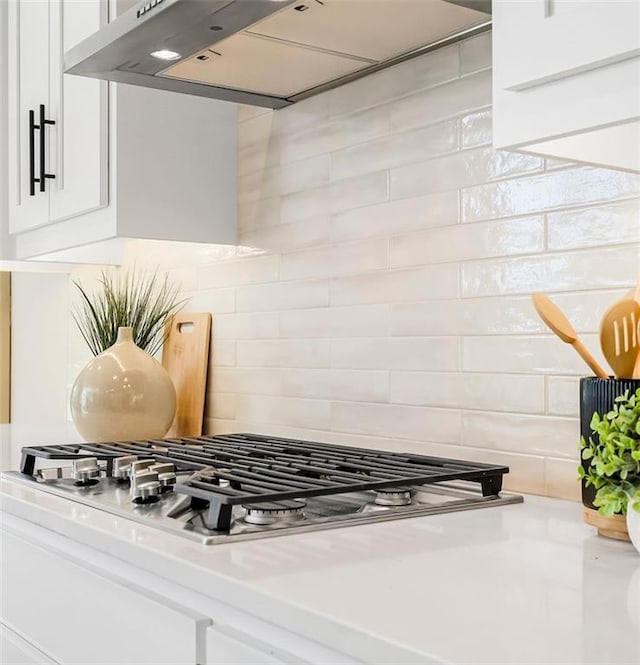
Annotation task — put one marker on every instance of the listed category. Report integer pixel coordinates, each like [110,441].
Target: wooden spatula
[559,324]
[620,338]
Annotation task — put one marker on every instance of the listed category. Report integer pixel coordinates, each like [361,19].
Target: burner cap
[393,496]
[274,511]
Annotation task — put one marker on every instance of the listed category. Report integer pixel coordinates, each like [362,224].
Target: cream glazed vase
[123,394]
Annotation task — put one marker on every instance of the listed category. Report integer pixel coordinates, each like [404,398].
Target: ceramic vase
[633,524]
[123,394]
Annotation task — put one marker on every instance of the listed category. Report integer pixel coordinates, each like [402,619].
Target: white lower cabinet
[14,650]
[79,616]
[226,645]
[66,604]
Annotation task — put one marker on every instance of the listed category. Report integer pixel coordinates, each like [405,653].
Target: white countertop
[525,583]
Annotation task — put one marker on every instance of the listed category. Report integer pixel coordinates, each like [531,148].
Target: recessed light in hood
[165,54]
[269,52]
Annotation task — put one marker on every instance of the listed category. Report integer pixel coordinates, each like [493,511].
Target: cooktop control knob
[85,471]
[140,465]
[166,475]
[145,487]
[122,466]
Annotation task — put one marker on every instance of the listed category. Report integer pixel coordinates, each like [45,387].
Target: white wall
[381,293]
[39,338]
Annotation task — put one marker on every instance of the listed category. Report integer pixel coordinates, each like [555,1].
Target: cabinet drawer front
[15,651]
[228,646]
[80,616]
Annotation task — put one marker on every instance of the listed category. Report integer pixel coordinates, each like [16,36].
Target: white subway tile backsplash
[573,229]
[262,325]
[458,170]
[522,196]
[280,180]
[258,214]
[541,354]
[257,156]
[552,272]
[256,130]
[542,435]
[335,197]
[396,216]
[561,478]
[563,396]
[409,353]
[425,283]
[216,301]
[222,353]
[222,406]
[282,295]
[395,150]
[523,235]
[586,308]
[307,413]
[442,101]
[335,260]
[480,316]
[284,353]
[420,424]
[335,134]
[340,385]
[475,53]
[389,84]
[310,231]
[255,270]
[476,129]
[355,321]
[500,392]
[380,292]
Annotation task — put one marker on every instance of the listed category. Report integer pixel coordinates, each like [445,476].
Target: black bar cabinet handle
[32,153]
[43,123]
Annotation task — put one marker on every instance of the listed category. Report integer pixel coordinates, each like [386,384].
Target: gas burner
[393,496]
[271,512]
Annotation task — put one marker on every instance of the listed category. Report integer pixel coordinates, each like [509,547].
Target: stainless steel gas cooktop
[218,489]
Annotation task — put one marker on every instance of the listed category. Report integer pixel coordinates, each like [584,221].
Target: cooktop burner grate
[234,469]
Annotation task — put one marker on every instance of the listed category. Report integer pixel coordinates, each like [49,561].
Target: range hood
[268,52]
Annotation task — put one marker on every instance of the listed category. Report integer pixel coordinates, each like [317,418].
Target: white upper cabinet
[109,162]
[28,83]
[567,79]
[78,148]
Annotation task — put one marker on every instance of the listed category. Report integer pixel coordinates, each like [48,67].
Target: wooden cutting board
[185,355]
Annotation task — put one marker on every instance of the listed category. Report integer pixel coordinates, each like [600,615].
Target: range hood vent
[268,52]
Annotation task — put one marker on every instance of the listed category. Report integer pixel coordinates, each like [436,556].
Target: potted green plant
[143,303]
[611,461]
[124,393]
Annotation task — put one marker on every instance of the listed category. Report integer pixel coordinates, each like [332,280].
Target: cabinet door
[28,86]
[538,41]
[78,144]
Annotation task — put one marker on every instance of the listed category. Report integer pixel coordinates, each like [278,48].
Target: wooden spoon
[559,324]
[620,337]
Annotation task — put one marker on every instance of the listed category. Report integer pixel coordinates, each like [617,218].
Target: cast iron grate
[248,468]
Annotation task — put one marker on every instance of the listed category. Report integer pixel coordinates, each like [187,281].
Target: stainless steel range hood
[268,52]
